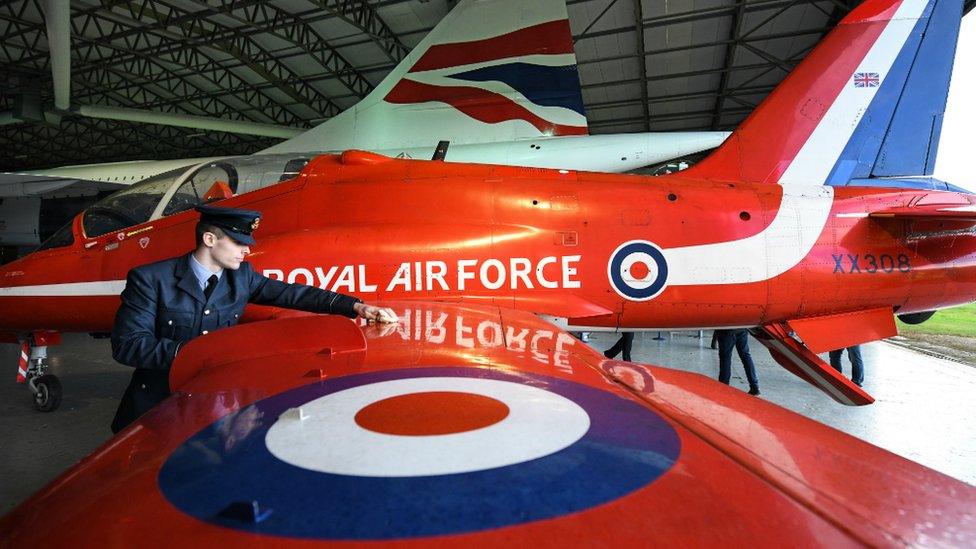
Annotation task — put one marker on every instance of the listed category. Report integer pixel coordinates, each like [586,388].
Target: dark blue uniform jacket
[164,307]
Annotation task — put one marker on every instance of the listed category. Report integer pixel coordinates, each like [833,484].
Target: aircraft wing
[48,186]
[471,425]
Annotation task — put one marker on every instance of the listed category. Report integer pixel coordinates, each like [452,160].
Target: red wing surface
[473,426]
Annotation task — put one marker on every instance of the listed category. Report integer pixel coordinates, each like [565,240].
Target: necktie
[211,284]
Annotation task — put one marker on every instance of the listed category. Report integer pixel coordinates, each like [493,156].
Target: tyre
[48,396]
[916,318]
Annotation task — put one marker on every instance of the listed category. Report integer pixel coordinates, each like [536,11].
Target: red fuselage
[544,241]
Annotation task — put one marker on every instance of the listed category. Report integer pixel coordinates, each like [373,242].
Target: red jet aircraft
[476,423]
[801,226]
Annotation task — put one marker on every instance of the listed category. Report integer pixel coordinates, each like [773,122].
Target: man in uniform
[168,303]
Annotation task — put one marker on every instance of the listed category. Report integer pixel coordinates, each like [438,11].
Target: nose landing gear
[32,370]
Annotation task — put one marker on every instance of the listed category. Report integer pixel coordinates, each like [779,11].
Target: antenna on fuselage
[441,151]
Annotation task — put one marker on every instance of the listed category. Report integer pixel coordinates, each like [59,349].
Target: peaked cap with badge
[236,223]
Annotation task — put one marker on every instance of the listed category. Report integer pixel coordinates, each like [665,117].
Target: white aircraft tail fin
[491,70]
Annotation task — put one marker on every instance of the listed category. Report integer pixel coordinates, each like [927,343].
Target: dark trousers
[738,340]
[146,389]
[625,344]
[857,364]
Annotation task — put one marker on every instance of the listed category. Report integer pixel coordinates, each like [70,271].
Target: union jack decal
[866,80]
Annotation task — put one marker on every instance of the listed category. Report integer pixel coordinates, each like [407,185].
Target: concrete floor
[925,406]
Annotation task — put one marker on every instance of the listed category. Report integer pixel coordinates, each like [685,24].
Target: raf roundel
[638,270]
[492,423]
[420,452]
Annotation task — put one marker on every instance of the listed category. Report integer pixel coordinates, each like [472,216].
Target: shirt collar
[202,273]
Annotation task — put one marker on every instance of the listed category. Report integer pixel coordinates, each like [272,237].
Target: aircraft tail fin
[491,70]
[866,102]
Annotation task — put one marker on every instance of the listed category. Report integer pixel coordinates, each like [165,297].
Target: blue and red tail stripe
[482,105]
[505,59]
[544,85]
[549,38]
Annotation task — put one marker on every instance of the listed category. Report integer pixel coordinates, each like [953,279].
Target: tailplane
[867,102]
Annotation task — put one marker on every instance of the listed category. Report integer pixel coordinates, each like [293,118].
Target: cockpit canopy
[181,189]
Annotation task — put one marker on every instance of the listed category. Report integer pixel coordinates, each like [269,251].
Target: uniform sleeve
[134,341]
[267,291]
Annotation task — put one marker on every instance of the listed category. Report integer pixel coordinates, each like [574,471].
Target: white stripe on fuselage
[806,203]
[98,288]
[815,160]
[798,224]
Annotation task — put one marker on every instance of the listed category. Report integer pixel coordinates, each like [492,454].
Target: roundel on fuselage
[637,270]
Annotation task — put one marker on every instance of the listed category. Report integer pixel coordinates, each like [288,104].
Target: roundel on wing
[420,452]
[637,270]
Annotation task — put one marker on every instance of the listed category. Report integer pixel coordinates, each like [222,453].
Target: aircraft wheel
[48,396]
[916,318]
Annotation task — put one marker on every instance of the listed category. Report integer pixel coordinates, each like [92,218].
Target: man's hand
[383,315]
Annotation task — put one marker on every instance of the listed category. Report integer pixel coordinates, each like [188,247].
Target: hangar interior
[170,79]
[281,66]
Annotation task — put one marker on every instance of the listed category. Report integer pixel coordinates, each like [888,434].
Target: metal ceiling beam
[114,87]
[29,35]
[141,72]
[138,64]
[247,94]
[686,74]
[642,62]
[735,27]
[717,43]
[292,28]
[769,57]
[257,18]
[596,19]
[61,141]
[670,117]
[794,59]
[691,16]
[363,16]
[678,97]
[93,48]
[83,135]
[243,47]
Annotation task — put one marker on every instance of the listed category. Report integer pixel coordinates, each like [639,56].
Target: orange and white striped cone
[22,365]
